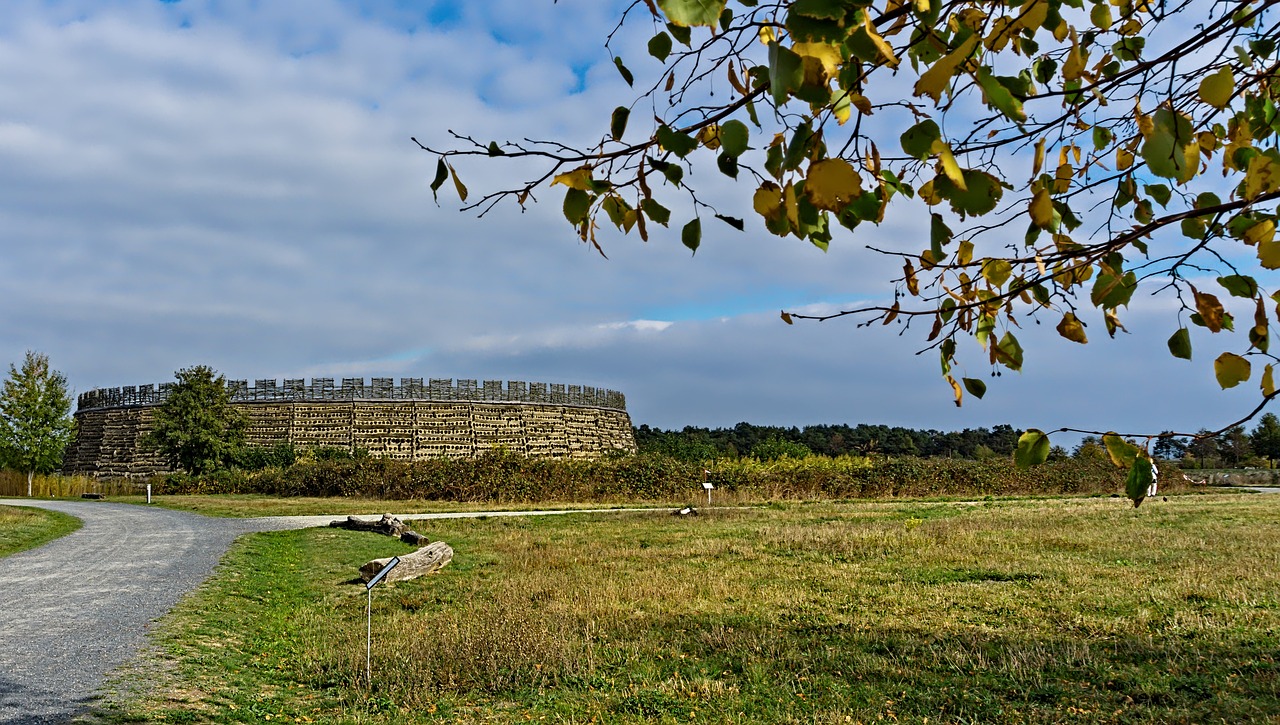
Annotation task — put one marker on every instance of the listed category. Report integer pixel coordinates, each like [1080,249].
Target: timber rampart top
[321,390]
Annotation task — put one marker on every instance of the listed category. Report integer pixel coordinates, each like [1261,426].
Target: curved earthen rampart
[406,421]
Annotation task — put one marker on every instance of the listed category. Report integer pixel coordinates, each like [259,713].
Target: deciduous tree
[196,428]
[1064,152]
[1265,438]
[35,417]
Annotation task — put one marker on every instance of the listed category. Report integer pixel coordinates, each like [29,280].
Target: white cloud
[232,183]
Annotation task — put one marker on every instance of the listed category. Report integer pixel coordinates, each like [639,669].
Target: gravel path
[78,607]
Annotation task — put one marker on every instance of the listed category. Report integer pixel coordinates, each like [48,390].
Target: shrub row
[500,477]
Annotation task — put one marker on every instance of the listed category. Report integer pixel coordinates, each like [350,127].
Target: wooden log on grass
[426,560]
[388,525]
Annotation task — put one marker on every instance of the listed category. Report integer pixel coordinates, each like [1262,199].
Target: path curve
[76,608]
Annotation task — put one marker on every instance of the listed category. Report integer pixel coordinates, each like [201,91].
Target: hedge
[505,478]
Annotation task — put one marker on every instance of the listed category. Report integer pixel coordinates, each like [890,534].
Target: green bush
[501,477]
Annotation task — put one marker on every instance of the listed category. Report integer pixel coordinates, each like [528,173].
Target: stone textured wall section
[413,420]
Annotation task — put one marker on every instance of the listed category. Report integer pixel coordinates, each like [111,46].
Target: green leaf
[1009,352]
[981,194]
[918,140]
[728,165]
[1216,89]
[660,46]
[692,12]
[1159,192]
[1231,370]
[622,70]
[1101,137]
[999,97]
[976,387]
[1033,448]
[577,203]
[442,175]
[1180,344]
[1141,475]
[1171,151]
[691,235]
[655,211]
[495,150]
[1122,452]
[1239,285]
[618,122]
[786,73]
[734,137]
[677,143]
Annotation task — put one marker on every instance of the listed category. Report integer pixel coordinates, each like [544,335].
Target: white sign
[385,571]
[707,485]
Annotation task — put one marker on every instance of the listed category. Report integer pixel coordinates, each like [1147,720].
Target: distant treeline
[772,442]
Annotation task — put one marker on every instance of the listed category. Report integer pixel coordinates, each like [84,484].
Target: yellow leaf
[996,271]
[579,178]
[1263,176]
[928,195]
[1146,125]
[709,136]
[1269,254]
[792,205]
[828,55]
[949,166]
[1216,89]
[909,277]
[766,35]
[861,103]
[1032,15]
[786,317]
[958,390]
[831,184]
[1124,159]
[1268,381]
[883,49]
[457,184]
[1042,209]
[934,80]
[1062,179]
[1071,328]
[1263,231]
[1077,58]
[964,255]
[1039,160]
[1231,370]
[768,200]
[1210,309]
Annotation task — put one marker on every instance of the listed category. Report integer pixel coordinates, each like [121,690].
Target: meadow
[1034,610]
[26,528]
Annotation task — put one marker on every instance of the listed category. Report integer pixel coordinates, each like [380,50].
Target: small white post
[368,622]
[707,485]
[148,493]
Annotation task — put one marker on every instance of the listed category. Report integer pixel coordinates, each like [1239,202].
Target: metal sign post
[707,485]
[368,629]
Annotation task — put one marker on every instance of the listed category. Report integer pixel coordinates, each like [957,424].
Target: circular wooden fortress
[408,421]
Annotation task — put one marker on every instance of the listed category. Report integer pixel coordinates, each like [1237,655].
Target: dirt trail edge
[78,607]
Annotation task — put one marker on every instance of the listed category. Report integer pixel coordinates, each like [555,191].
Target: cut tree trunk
[426,560]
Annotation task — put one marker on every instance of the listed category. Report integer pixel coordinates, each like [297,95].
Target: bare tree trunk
[30,474]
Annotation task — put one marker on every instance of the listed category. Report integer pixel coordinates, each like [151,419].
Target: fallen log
[388,525]
[426,560]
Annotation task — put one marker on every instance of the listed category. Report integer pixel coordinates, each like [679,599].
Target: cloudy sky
[232,183]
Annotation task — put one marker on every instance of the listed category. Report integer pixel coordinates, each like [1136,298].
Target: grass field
[23,528]
[1073,610]
[249,505]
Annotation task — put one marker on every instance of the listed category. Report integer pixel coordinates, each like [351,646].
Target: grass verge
[23,528]
[1007,611]
[234,505]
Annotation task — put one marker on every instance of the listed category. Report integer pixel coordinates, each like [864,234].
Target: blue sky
[232,183]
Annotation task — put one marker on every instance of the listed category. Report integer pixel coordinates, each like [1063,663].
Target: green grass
[23,528]
[250,505]
[1075,610]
